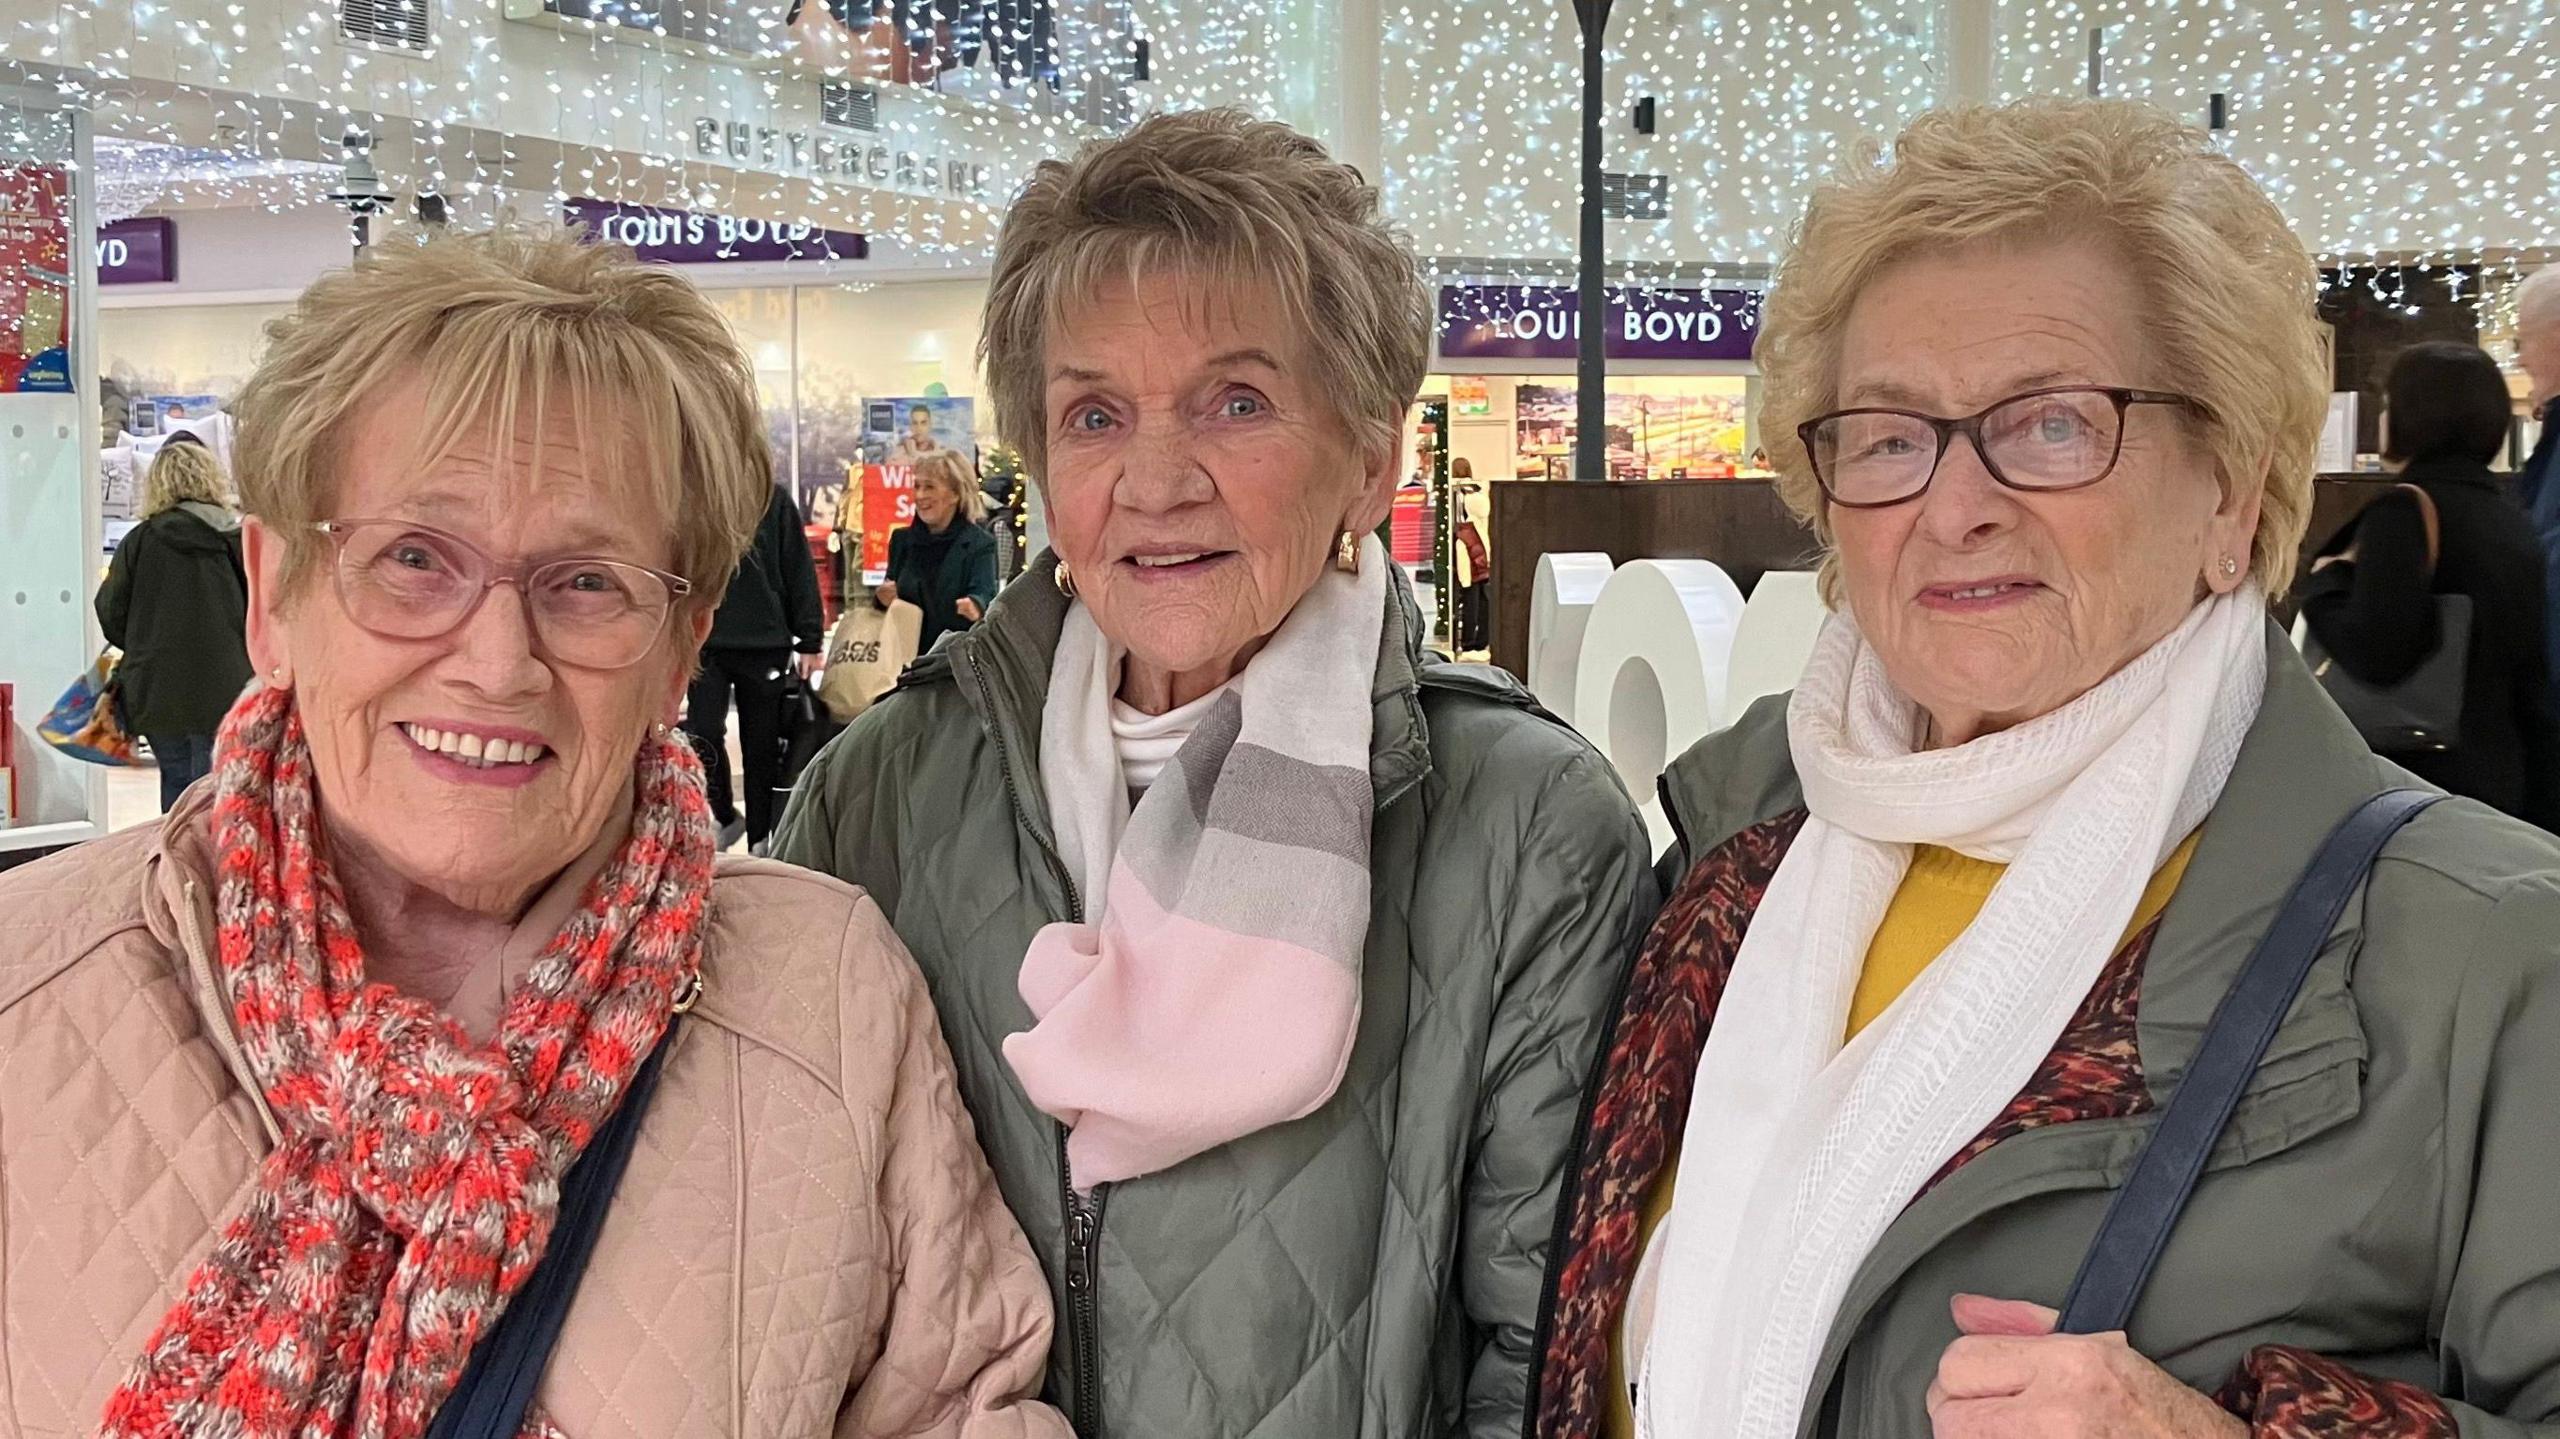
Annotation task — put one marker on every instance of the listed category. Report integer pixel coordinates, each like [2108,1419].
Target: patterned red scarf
[419,1171]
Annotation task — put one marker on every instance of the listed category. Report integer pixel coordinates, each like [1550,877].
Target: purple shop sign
[1508,322]
[138,252]
[686,237]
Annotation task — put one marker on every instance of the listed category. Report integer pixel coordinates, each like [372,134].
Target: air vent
[848,107]
[392,24]
[1635,197]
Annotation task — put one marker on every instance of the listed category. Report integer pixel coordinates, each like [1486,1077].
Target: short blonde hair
[947,469]
[179,473]
[1217,195]
[497,324]
[2228,293]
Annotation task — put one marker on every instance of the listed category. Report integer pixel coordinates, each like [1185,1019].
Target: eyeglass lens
[412,584]
[2036,442]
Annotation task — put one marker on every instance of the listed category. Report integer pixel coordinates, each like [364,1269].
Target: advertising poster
[909,427]
[1470,397]
[1661,436]
[35,280]
[888,505]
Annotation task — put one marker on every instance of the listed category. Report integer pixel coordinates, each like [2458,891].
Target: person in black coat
[771,611]
[945,563]
[176,601]
[2367,601]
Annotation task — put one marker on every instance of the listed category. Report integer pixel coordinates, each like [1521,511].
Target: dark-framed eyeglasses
[407,581]
[2064,437]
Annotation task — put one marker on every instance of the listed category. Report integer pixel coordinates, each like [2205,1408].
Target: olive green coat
[2387,1195]
[1373,1270]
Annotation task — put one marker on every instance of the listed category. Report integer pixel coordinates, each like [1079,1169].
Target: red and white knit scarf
[419,1171]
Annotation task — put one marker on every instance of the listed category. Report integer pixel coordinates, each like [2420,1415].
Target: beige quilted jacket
[807,1241]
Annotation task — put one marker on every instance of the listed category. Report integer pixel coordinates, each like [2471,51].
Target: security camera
[360,190]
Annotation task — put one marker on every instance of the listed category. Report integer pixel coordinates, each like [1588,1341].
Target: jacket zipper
[1082,1217]
[213,1005]
[1551,1290]
[1084,1294]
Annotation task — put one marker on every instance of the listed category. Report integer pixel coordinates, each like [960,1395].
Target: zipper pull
[1080,1237]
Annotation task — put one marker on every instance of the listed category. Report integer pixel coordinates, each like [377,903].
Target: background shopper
[945,562]
[2369,600]
[2538,347]
[1472,556]
[769,626]
[176,603]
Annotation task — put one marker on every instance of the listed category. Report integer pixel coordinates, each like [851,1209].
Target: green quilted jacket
[1371,1271]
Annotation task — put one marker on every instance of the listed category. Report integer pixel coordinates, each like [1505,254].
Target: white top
[1147,742]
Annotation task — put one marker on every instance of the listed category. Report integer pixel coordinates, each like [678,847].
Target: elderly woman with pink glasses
[424,1072]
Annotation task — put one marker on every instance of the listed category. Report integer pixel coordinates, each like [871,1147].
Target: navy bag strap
[496,1389]
[2139,1218]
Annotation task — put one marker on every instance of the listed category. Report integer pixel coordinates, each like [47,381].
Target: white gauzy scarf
[1799,1151]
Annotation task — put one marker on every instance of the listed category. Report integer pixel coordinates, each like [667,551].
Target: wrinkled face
[1989,606]
[484,838]
[935,503]
[1197,477]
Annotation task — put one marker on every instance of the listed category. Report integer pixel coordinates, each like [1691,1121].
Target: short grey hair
[1212,194]
[2538,299]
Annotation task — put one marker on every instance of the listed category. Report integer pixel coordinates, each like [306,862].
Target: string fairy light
[695,104]
[2400,136]
[2403,138]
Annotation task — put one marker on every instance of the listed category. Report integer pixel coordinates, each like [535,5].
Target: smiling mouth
[1176,562]
[1982,594]
[477,751]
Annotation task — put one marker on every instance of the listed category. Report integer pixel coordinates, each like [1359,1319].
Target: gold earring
[1346,553]
[1064,579]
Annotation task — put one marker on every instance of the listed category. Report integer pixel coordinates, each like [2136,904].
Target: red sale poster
[35,279]
[888,505]
[1411,528]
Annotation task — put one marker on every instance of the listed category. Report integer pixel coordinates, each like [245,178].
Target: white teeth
[478,751]
[1157,562]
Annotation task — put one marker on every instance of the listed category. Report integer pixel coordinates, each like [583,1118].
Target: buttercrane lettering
[794,152]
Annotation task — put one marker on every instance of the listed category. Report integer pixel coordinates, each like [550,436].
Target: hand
[810,665]
[969,610]
[2012,1377]
[886,595]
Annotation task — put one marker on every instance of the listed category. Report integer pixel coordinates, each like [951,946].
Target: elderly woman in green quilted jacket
[1271,949]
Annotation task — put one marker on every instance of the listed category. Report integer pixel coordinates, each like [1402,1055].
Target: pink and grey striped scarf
[1214,987]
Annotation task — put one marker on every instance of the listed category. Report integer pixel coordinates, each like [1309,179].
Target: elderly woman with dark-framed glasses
[1985,1075]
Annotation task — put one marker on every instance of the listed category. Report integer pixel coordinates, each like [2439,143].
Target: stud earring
[1064,579]
[2230,567]
[1346,553]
